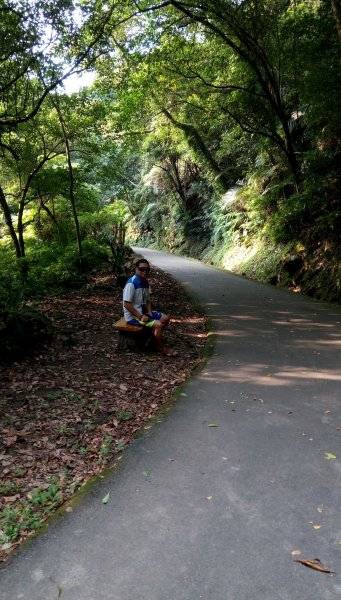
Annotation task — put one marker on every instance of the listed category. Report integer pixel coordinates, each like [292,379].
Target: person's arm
[129,306]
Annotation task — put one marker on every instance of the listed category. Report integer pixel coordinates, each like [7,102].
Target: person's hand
[144,318]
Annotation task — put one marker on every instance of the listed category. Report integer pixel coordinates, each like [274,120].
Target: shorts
[156,317]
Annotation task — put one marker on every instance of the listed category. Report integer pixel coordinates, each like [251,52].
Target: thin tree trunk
[336,6]
[9,223]
[72,185]
[178,183]
[49,212]
[20,228]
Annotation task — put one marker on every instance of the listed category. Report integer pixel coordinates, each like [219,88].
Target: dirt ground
[68,410]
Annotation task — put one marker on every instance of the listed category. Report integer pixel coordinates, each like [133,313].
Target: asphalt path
[233,485]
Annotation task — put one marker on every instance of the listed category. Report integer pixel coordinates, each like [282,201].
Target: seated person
[137,308]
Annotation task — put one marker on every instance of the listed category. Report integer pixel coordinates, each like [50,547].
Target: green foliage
[52,258]
[125,415]
[59,266]
[10,488]
[21,331]
[11,282]
[196,100]
[27,514]
[108,228]
[106,447]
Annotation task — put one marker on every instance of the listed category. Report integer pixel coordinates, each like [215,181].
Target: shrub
[11,283]
[22,331]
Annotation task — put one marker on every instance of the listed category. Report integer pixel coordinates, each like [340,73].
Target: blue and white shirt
[137,292]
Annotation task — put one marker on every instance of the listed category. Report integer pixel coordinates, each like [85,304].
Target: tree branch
[13,122]
[10,150]
[229,88]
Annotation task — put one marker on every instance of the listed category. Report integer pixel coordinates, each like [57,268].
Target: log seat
[131,337]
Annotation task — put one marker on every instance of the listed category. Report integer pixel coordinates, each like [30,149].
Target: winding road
[238,481]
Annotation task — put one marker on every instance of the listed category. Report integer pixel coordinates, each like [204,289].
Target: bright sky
[75,82]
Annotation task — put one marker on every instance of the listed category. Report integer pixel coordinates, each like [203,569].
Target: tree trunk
[72,185]
[20,227]
[289,150]
[177,181]
[9,223]
[336,6]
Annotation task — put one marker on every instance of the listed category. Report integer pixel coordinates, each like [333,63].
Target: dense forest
[211,128]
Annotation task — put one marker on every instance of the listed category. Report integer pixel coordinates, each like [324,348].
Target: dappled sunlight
[317,344]
[189,320]
[240,254]
[304,323]
[230,333]
[258,373]
[295,350]
[331,375]
[212,304]
[265,339]
[244,318]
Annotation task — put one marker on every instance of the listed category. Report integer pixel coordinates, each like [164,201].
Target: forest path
[239,480]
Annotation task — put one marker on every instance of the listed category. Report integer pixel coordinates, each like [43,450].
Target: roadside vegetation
[212,130]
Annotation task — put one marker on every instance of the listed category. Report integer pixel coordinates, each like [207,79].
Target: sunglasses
[144,269]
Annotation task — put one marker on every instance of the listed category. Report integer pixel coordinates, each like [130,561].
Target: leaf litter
[316,564]
[67,410]
[329,456]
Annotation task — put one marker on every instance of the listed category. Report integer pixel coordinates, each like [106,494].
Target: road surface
[235,483]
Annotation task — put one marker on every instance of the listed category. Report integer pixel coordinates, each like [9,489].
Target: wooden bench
[131,337]
[122,325]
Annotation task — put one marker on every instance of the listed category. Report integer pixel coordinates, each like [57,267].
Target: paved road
[223,508]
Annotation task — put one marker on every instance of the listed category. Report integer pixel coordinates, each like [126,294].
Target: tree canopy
[210,125]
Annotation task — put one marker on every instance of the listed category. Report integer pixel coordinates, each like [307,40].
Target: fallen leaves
[316,564]
[329,456]
[68,410]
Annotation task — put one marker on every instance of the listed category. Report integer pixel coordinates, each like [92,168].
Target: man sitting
[137,308]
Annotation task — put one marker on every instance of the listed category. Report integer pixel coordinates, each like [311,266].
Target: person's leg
[158,323]
[165,320]
[158,334]
[158,329]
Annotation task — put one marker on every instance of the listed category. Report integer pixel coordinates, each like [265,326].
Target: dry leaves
[67,410]
[316,564]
